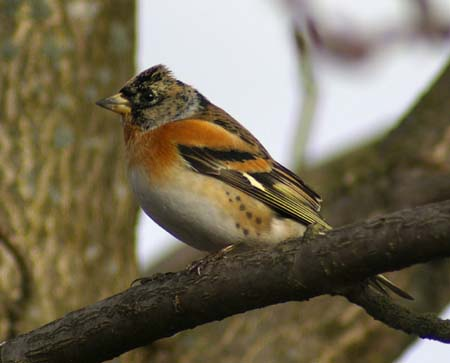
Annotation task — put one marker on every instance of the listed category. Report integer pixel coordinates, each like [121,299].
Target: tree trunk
[409,166]
[66,215]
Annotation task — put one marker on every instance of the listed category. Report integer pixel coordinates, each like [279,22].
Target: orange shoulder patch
[200,133]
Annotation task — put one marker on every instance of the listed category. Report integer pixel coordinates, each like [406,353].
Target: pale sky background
[241,55]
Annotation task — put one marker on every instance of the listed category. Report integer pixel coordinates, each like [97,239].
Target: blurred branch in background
[352,44]
[309,97]
[349,43]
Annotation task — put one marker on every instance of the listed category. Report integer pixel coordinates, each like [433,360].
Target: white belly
[201,214]
[185,211]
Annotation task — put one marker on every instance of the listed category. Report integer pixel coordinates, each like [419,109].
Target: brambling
[202,176]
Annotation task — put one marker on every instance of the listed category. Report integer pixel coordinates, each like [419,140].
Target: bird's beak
[116,103]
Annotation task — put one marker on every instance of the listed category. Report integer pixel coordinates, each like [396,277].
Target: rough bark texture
[66,214]
[407,167]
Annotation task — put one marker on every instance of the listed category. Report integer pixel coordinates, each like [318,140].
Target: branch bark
[382,308]
[243,280]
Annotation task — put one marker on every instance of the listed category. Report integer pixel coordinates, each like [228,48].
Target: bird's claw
[199,265]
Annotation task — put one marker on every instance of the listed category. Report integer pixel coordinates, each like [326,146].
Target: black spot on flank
[249,215]
[230,200]
[238,225]
[242,207]
[227,192]
[258,220]
[245,230]
[238,198]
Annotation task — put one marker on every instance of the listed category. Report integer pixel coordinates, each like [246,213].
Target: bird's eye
[148,96]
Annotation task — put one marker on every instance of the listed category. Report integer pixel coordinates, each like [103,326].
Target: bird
[203,177]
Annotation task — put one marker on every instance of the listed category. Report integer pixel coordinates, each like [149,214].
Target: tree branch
[384,309]
[241,281]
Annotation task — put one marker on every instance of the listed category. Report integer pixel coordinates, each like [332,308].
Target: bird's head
[153,98]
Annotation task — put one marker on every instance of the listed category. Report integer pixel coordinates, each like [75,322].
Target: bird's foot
[199,265]
[314,230]
[145,280]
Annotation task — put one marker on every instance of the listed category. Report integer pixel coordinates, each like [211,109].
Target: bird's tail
[381,282]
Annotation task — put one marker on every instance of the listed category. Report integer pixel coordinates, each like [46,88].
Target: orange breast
[157,152]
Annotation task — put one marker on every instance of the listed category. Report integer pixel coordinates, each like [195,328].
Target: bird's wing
[258,176]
